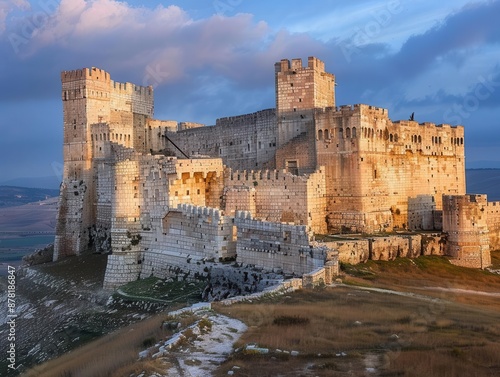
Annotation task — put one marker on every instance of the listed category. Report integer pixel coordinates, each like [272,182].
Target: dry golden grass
[423,275]
[149,366]
[434,337]
[459,361]
[454,334]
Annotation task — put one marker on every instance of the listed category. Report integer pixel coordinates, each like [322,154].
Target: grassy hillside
[409,328]
[408,318]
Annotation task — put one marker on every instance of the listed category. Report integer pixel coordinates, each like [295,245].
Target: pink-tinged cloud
[165,43]
[7,6]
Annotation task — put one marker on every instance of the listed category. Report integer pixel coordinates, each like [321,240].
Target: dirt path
[461,291]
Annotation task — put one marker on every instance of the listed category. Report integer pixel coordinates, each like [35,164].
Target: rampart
[243,142]
[277,246]
[278,196]
[360,250]
[465,222]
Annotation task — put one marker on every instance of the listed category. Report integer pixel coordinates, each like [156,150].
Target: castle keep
[168,197]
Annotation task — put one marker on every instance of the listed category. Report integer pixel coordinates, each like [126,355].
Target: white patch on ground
[213,346]
[371,362]
[210,348]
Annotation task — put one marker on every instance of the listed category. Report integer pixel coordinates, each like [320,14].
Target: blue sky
[214,58]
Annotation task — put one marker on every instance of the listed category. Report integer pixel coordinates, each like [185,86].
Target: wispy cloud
[426,56]
[8,6]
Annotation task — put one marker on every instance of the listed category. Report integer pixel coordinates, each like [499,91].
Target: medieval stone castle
[271,190]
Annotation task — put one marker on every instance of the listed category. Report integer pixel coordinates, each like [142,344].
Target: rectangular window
[292,167]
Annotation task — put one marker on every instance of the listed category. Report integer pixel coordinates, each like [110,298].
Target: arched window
[439,140]
[347,132]
[320,135]
[354,132]
[341,133]
[327,134]
[391,137]
[419,138]
[396,137]
[386,134]
[461,141]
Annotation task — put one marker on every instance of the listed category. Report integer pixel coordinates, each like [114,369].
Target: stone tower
[86,101]
[97,112]
[465,222]
[300,90]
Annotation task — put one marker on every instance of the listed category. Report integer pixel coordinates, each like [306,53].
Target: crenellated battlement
[244,215]
[494,205]
[286,65]
[85,74]
[245,119]
[349,110]
[428,125]
[271,225]
[214,213]
[127,87]
[264,175]
[315,63]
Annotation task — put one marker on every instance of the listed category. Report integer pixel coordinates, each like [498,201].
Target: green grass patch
[361,270]
[160,289]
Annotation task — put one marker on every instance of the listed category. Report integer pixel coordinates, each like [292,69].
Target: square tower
[303,88]
[300,90]
[96,112]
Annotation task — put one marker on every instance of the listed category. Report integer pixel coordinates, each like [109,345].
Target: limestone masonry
[269,191]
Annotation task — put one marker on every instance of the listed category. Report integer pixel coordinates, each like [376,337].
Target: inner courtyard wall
[243,142]
[279,196]
[277,246]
